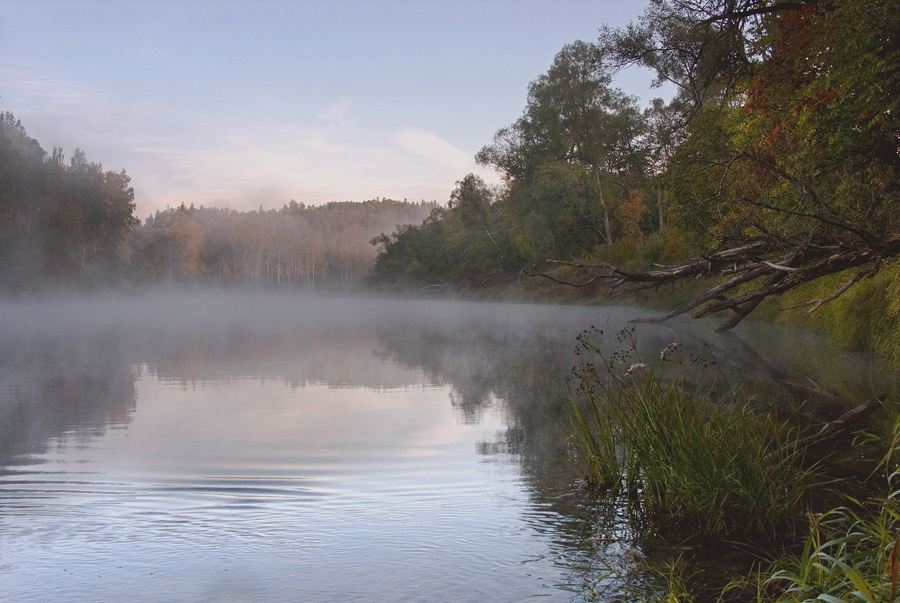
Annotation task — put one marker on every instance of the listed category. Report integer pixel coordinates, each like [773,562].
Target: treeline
[59,222]
[583,180]
[774,169]
[296,245]
[581,170]
[73,224]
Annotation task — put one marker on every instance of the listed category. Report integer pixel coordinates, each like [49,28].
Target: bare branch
[550,277]
[578,264]
[714,293]
[819,302]
[833,428]
[764,10]
[832,265]
[804,259]
[779,267]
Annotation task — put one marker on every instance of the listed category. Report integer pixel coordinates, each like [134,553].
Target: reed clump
[852,553]
[709,462]
[713,467]
[849,556]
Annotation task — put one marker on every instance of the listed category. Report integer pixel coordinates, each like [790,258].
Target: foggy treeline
[73,224]
[58,221]
[297,244]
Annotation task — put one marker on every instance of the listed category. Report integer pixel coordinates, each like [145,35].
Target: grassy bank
[707,465]
[683,458]
[864,317]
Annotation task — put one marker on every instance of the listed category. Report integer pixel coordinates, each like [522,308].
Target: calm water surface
[226,447]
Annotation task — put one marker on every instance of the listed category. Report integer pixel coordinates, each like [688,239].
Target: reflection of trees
[792,369]
[71,388]
[525,369]
[298,355]
[74,385]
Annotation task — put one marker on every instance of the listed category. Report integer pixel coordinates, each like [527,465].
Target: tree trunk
[659,208]
[606,229]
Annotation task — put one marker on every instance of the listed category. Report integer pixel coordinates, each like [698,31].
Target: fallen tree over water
[771,268]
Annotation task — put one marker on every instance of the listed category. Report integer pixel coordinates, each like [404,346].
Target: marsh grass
[709,466]
[850,555]
[709,462]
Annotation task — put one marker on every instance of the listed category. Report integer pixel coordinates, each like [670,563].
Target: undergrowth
[852,553]
[706,460]
[714,467]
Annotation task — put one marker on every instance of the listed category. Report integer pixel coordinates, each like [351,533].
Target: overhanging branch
[784,264]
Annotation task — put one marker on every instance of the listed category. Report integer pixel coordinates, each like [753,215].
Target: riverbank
[804,512]
[863,317]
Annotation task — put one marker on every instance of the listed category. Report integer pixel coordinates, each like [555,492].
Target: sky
[242,105]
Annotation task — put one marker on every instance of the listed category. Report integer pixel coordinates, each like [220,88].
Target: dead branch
[590,281]
[714,293]
[578,264]
[778,266]
[785,263]
[820,301]
[829,430]
[832,265]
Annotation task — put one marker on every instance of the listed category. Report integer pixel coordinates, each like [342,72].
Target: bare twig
[833,428]
[820,301]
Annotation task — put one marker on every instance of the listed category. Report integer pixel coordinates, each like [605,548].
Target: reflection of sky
[251,489]
[244,418]
[238,446]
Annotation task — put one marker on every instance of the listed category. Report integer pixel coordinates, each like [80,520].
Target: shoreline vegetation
[707,464]
[768,185]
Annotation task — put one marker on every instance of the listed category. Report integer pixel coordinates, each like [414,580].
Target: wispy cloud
[24,82]
[268,164]
[426,144]
[242,161]
[338,113]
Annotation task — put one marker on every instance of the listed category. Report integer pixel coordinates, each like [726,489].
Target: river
[227,446]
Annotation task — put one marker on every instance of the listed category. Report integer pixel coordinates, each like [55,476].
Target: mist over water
[211,445]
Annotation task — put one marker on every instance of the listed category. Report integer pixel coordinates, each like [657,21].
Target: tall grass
[711,464]
[849,556]
[715,468]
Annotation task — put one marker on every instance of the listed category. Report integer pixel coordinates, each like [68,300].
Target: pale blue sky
[246,104]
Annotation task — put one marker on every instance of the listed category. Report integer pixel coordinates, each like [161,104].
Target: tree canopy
[788,167]
[297,245]
[577,167]
[776,164]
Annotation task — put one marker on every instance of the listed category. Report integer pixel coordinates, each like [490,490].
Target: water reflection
[65,391]
[320,449]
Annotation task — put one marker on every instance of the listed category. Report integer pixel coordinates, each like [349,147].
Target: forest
[775,170]
[73,224]
[306,246]
[59,222]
